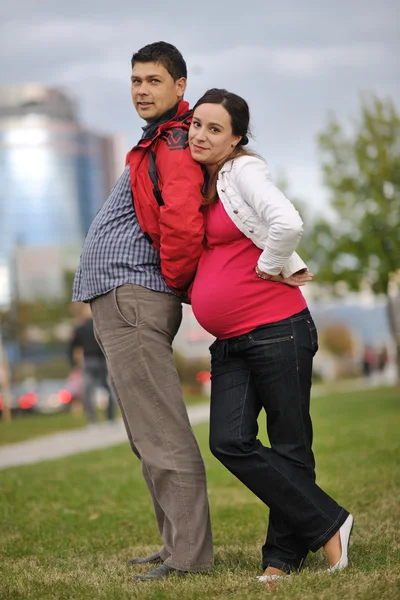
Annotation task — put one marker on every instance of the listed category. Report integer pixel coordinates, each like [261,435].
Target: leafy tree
[361,168]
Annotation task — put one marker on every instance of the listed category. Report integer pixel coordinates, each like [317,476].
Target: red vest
[166,185]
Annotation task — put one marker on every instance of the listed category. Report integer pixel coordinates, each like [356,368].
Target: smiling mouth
[199,148]
[144,104]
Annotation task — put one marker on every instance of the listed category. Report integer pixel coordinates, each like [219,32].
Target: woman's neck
[212,169]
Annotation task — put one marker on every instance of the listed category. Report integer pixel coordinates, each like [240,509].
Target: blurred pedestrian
[383,359]
[368,361]
[139,257]
[266,340]
[87,354]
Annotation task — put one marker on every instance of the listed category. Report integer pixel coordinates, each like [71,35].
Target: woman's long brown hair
[239,113]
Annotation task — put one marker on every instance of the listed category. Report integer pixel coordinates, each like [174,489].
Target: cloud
[299,61]
[291,60]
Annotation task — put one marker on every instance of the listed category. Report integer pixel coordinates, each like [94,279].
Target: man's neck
[150,126]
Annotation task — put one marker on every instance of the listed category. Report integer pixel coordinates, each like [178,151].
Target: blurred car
[45,396]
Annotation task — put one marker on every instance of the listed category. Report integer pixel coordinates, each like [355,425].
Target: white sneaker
[345,533]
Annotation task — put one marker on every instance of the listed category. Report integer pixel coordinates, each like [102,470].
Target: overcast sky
[293,61]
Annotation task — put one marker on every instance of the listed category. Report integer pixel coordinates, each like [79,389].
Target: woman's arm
[254,184]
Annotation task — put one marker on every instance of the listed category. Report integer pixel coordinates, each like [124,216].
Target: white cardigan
[262,213]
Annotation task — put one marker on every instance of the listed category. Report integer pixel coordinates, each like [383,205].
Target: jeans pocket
[125,308]
[313,334]
[275,333]
[272,340]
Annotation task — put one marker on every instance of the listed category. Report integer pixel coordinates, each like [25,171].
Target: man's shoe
[160,572]
[154,559]
[345,533]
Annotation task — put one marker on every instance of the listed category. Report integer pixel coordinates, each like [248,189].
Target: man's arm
[181,220]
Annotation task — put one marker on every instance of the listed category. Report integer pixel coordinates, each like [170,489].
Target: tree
[361,168]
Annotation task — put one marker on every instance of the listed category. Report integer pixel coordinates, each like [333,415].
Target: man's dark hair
[166,55]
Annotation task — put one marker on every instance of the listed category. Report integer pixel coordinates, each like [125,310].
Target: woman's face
[211,139]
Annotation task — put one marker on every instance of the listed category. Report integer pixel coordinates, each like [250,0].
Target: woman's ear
[236,140]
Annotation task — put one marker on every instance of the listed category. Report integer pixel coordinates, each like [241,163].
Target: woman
[266,340]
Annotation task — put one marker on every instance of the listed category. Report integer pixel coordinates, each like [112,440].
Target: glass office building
[54,173]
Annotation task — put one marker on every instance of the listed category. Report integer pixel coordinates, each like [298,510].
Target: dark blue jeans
[270,368]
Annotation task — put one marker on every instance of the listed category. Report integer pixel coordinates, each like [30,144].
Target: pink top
[228,298]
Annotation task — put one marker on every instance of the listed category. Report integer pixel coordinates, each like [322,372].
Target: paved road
[57,445]
[106,434]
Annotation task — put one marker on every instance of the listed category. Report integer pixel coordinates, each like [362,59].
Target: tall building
[55,174]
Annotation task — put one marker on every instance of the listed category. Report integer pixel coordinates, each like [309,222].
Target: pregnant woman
[245,295]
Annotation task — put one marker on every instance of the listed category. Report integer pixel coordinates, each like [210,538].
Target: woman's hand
[295,280]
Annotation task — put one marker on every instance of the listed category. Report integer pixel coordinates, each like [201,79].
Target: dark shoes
[154,559]
[160,572]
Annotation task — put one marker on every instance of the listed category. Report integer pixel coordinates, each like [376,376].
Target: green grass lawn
[68,526]
[30,426]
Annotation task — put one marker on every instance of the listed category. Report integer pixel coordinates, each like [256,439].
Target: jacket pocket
[244,216]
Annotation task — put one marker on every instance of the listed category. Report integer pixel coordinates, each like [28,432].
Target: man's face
[154,91]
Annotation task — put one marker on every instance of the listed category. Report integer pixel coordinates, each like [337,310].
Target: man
[87,355]
[138,259]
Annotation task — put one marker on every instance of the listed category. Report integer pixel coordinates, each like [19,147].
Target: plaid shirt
[115,251]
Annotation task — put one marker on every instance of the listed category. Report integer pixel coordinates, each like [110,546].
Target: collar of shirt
[150,128]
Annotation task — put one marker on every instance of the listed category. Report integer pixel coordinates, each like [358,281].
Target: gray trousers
[135,328]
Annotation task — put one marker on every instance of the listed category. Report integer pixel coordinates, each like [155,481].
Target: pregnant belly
[229,299]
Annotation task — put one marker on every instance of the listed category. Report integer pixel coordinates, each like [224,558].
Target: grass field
[30,426]
[68,526]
